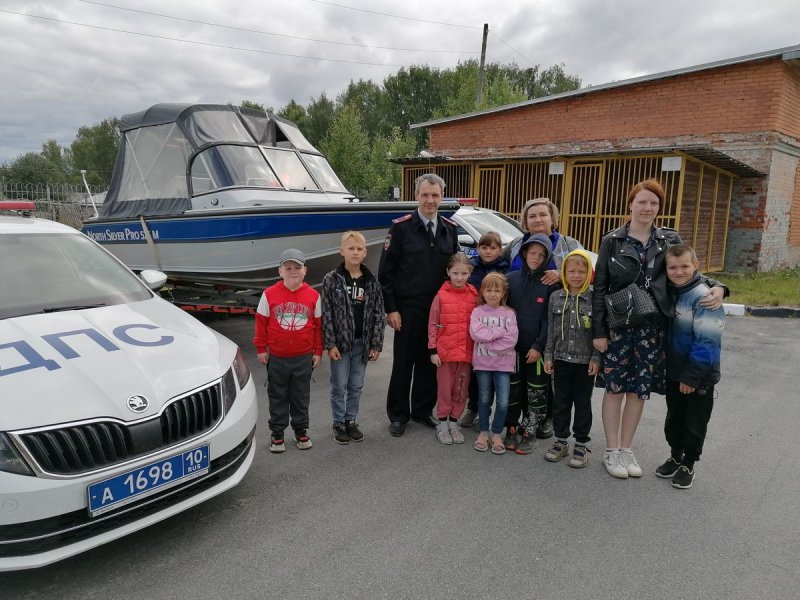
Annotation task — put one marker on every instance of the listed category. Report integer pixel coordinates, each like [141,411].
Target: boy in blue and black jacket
[530,384]
[693,359]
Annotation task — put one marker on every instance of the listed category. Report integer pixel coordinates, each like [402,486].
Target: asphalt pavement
[409,518]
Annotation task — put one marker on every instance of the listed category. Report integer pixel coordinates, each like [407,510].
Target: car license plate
[139,483]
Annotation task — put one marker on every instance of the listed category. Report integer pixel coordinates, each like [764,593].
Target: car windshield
[485,221]
[49,272]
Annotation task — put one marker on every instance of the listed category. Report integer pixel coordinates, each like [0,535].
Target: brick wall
[756,96]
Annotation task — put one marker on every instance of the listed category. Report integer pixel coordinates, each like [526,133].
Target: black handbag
[631,306]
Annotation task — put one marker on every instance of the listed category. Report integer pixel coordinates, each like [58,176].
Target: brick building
[723,137]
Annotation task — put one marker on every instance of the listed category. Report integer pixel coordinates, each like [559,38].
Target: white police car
[117,409]
[472,222]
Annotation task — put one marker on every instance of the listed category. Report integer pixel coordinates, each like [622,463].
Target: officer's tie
[430,232]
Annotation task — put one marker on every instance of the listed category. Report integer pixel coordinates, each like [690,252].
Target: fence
[62,202]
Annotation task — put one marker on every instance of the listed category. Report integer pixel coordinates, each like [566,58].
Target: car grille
[85,447]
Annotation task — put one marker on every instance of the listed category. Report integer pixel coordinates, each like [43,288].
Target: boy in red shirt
[289,341]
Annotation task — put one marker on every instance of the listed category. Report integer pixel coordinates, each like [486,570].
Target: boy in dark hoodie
[529,297]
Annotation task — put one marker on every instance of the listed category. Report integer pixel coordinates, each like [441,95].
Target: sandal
[482,443]
[498,447]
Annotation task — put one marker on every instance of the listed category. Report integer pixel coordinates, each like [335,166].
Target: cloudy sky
[68,63]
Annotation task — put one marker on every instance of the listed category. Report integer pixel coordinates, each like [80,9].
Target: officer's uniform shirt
[412,268]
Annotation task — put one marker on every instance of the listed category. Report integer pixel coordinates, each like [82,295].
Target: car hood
[68,366]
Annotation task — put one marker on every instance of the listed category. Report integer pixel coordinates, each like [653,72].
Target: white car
[117,409]
[474,221]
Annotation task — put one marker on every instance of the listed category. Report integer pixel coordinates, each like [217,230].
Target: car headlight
[241,369]
[240,372]
[10,460]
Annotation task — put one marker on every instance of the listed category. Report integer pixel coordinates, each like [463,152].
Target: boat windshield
[74,271]
[324,174]
[290,169]
[226,166]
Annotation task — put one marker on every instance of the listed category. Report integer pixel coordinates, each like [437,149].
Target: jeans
[347,379]
[501,382]
[573,388]
[687,420]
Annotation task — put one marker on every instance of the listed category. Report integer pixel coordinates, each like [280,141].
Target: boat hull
[240,248]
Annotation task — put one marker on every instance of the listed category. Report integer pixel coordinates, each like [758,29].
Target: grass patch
[776,288]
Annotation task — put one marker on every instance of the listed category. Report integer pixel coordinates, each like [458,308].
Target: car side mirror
[153,279]
[466,240]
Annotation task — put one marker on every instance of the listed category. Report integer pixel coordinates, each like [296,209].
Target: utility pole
[481,75]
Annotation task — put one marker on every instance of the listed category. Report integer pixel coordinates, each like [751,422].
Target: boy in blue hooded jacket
[529,297]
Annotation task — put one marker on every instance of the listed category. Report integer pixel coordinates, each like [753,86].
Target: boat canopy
[172,152]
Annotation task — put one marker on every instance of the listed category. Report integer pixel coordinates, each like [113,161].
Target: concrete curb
[782,312]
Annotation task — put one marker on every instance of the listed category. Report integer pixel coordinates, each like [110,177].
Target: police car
[117,409]
[472,222]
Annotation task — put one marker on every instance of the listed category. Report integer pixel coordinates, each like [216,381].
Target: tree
[95,150]
[61,157]
[367,96]
[381,173]
[320,112]
[411,96]
[347,149]
[32,168]
[296,114]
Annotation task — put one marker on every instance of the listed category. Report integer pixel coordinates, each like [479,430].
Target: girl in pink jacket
[493,326]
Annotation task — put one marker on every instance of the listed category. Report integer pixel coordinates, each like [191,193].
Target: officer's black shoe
[396,428]
[426,421]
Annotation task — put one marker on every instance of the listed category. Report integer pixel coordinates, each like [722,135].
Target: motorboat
[212,194]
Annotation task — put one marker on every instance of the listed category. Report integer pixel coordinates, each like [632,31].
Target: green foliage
[320,112]
[95,150]
[347,149]
[296,113]
[33,168]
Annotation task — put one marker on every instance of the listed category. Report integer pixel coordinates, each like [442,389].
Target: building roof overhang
[705,154]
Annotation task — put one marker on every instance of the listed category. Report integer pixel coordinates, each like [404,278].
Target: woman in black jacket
[633,359]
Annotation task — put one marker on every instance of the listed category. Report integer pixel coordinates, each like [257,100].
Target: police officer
[413,267]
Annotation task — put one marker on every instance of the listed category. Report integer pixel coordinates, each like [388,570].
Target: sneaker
[613,464]
[557,451]
[629,462]
[455,433]
[353,431]
[443,434]
[683,478]
[468,418]
[511,438]
[302,440]
[580,457]
[276,443]
[544,430]
[668,469]
[340,434]
[525,443]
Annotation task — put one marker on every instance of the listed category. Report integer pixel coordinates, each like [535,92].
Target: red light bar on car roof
[17,205]
[462,201]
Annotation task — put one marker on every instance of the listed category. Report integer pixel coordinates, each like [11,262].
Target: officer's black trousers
[411,362]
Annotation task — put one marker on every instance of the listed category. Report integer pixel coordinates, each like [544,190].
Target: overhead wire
[529,61]
[384,14]
[198,43]
[262,32]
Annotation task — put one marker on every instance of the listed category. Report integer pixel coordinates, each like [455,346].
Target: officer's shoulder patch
[403,218]
[387,242]
[446,220]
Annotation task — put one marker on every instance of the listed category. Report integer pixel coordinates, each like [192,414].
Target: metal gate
[490,187]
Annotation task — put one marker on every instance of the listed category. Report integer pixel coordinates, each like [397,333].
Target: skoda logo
[138,403]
